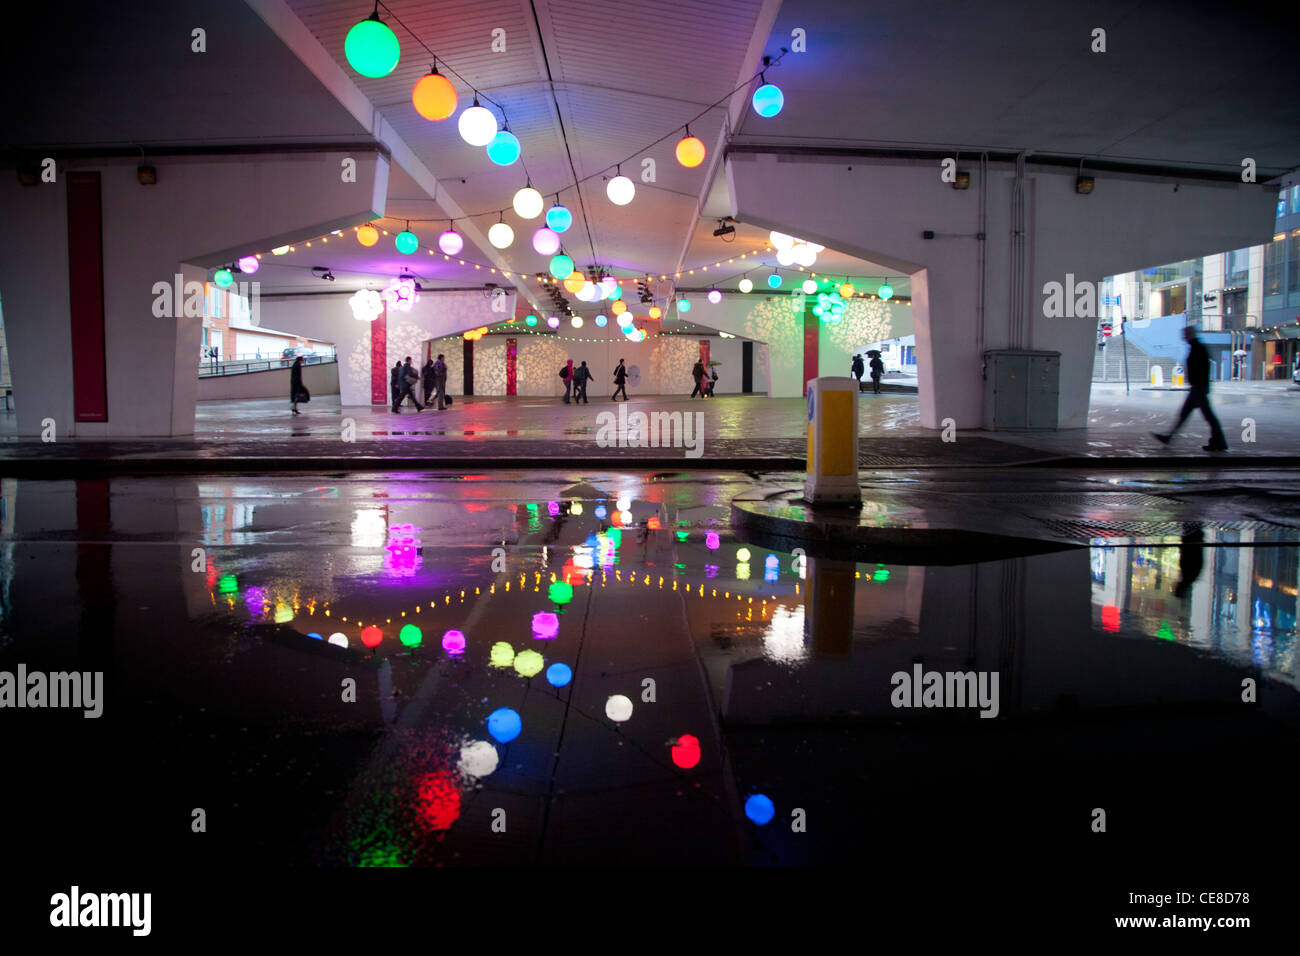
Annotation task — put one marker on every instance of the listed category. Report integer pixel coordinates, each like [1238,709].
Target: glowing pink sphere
[546,241]
[545,625]
[553,322]
[715,296]
[249,264]
[453,642]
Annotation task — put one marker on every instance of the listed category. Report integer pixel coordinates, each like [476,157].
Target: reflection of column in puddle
[387,703]
[828,621]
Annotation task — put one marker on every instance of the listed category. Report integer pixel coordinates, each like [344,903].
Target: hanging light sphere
[619,307]
[616,292]
[746,285]
[655,312]
[558,675]
[559,218]
[434,97]
[774,280]
[249,265]
[809,286]
[223,277]
[638,335]
[501,235]
[785,256]
[588,292]
[407,243]
[553,321]
[576,321]
[410,636]
[451,242]
[561,266]
[885,291]
[503,149]
[618,708]
[690,151]
[683,304]
[768,100]
[530,320]
[546,242]
[847,290]
[620,190]
[528,203]
[371,636]
[715,296]
[624,320]
[504,725]
[574,282]
[600,321]
[367,235]
[477,125]
[371,48]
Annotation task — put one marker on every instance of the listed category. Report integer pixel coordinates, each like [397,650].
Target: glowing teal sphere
[561,266]
[223,278]
[683,305]
[504,148]
[774,281]
[616,294]
[768,100]
[372,49]
[559,218]
[601,320]
[406,242]
[530,320]
[885,291]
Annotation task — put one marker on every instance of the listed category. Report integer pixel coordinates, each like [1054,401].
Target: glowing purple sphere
[249,264]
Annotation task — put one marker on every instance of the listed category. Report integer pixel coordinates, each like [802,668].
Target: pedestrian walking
[697,373]
[1198,396]
[297,391]
[395,383]
[426,379]
[710,383]
[857,369]
[440,381]
[566,374]
[877,370]
[581,376]
[620,382]
[410,378]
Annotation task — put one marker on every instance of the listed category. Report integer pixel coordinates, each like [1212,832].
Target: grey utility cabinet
[1021,389]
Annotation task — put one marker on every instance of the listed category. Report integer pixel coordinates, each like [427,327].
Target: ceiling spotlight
[1084,184]
[724,229]
[146,175]
[962,181]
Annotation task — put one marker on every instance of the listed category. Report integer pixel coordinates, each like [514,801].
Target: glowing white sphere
[618,708]
[477,126]
[338,639]
[620,190]
[478,758]
[809,286]
[501,235]
[780,239]
[528,203]
[451,242]
[623,503]
[785,256]
[546,242]
[746,284]
[576,321]
[589,292]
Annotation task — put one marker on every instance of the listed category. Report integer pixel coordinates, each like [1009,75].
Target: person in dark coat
[1198,396]
[857,369]
[410,378]
[295,383]
[697,373]
[581,375]
[620,382]
[567,376]
[426,378]
[877,370]
[440,381]
[395,383]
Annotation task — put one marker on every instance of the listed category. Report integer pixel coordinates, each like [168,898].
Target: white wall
[320,380]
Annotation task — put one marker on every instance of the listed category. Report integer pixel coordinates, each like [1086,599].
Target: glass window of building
[1233,309]
[1293,268]
[1237,267]
[1168,300]
[1295,199]
[1274,261]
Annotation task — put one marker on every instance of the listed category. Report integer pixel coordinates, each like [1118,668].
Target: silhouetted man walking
[1198,377]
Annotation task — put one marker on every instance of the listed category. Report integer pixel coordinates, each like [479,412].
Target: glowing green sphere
[223,278]
[372,49]
[410,635]
[407,242]
[561,592]
[561,266]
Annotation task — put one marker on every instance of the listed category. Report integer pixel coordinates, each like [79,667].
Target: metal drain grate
[1066,528]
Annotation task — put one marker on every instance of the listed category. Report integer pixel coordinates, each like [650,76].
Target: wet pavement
[719,701]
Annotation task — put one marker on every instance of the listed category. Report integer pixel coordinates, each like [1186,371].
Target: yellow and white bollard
[1178,377]
[832,476]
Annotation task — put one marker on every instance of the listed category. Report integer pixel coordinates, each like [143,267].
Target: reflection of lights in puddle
[369,529]
[575,508]
[410,636]
[529,663]
[453,642]
[314,636]
[502,654]
[600,511]
[552,508]
[437,801]
[742,572]
[545,625]
[760,809]
[742,554]
[711,540]
[625,517]
[582,557]
[618,708]
[283,614]
[504,725]
[686,751]
[783,640]
[338,639]
[624,503]
[561,592]
[478,758]
[371,636]
[559,674]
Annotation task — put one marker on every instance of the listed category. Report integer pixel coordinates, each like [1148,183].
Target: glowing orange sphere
[434,97]
[574,281]
[690,151]
[619,307]
[655,312]
[846,290]
[367,235]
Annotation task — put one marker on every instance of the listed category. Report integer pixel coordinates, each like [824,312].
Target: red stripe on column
[86,298]
[811,333]
[379,388]
[512,365]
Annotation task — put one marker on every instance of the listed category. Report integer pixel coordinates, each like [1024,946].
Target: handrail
[208,369]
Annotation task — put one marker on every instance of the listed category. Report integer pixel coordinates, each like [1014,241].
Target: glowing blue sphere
[559,674]
[314,636]
[504,725]
[601,320]
[768,100]
[504,148]
[559,218]
[683,305]
[616,293]
[758,808]
[774,281]
[600,511]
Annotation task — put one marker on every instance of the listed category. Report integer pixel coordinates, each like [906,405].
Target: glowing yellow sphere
[690,151]
[529,663]
[367,235]
[434,97]
[619,307]
[655,312]
[846,290]
[574,281]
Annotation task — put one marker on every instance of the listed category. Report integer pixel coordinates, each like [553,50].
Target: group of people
[576,379]
[433,377]
[858,369]
[703,382]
